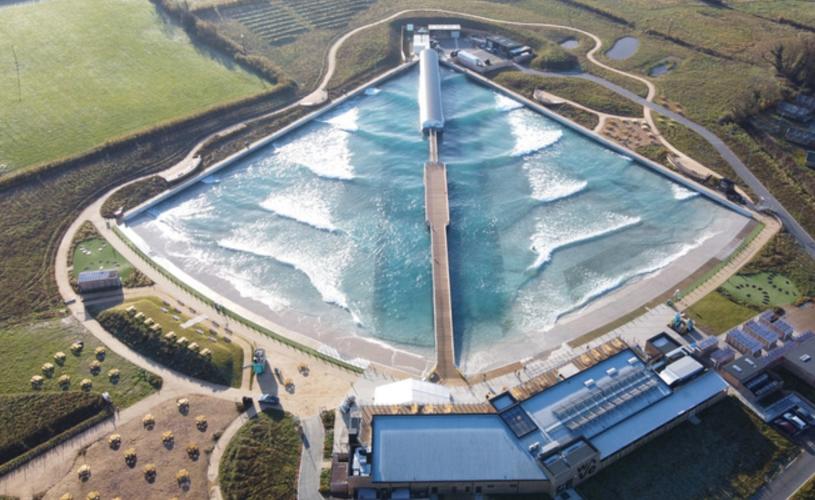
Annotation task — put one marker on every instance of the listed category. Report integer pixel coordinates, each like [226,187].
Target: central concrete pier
[437,212]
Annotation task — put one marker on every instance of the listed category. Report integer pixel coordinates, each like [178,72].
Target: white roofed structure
[411,391]
[431,116]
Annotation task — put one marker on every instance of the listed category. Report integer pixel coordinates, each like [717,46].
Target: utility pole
[17,68]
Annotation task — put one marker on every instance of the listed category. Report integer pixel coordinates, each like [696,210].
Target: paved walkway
[771,228]
[220,448]
[311,460]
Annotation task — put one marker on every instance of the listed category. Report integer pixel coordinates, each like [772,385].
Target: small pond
[661,69]
[623,48]
[570,43]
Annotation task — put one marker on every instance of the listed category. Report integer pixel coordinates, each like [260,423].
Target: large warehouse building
[545,435]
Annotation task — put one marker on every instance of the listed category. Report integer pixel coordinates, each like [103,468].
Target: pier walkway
[438,218]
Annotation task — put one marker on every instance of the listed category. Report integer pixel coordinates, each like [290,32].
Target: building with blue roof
[544,436]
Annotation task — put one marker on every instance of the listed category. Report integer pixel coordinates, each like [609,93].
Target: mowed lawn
[25,348]
[92,70]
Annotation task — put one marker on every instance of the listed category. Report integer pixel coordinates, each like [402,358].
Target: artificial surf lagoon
[323,232]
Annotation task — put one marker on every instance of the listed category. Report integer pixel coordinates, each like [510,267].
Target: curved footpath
[53,464]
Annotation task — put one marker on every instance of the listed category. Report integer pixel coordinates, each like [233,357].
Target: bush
[183,478]
[95,367]
[150,472]
[100,353]
[84,472]
[59,358]
[130,457]
[113,375]
[201,423]
[115,441]
[193,451]
[64,382]
[94,495]
[552,57]
[36,382]
[86,384]
[48,370]
[149,422]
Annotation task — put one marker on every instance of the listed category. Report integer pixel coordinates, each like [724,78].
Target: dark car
[268,400]
[786,427]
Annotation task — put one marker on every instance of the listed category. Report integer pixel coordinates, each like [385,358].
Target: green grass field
[26,348]
[740,451]
[716,314]
[96,253]
[262,459]
[92,70]
[226,356]
[762,290]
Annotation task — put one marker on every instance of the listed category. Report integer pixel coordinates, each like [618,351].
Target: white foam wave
[305,206]
[682,193]
[247,289]
[548,185]
[170,222]
[531,134]
[324,151]
[604,286]
[211,179]
[624,157]
[372,91]
[504,103]
[550,237]
[323,271]
[347,120]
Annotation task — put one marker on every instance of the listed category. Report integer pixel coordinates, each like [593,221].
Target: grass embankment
[195,351]
[327,418]
[26,348]
[29,420]
[363,57]
[742,451]
[716,313]
[129,69]
[263,459]
[584,92]
[133,195]
[782,273]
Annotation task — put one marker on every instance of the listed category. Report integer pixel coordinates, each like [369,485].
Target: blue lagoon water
[325,229]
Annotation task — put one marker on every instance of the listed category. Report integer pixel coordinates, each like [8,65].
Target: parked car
[795,420]
[805,415]
[268,400]
[260,356]
[786,427]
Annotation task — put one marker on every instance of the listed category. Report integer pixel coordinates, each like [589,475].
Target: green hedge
[34,442]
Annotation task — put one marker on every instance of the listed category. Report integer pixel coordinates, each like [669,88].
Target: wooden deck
[438,218]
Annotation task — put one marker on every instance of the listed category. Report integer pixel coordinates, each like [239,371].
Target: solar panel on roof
[518,421]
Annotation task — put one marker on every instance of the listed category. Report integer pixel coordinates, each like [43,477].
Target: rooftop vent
[589,382]
[749,361]
[611,372]
[633,360]
[534,447]
[805,357]
[736,368]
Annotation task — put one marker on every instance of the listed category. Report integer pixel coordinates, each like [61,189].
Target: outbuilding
[103,279]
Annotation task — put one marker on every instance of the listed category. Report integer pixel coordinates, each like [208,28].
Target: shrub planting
[141,338]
